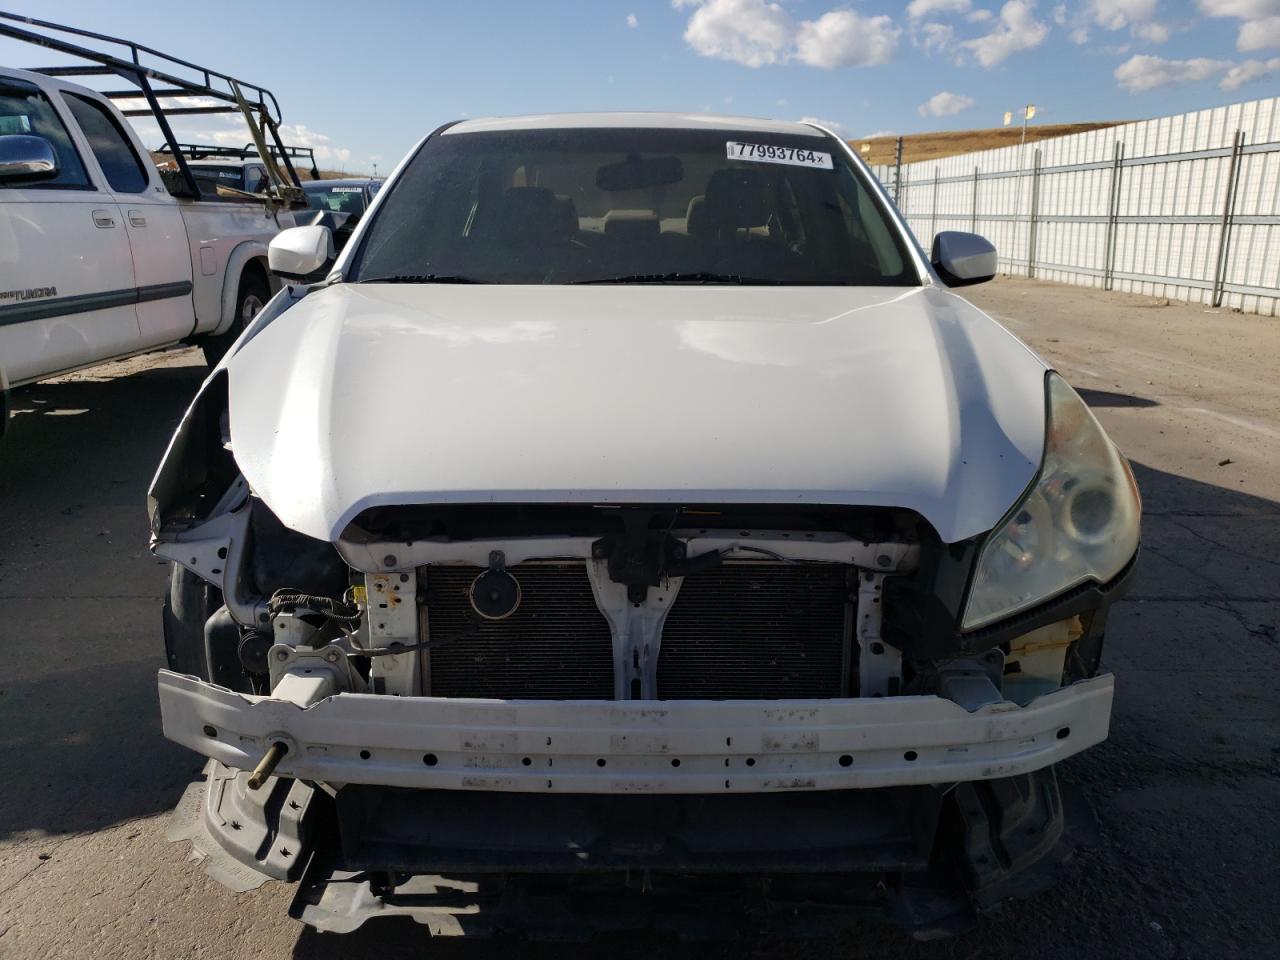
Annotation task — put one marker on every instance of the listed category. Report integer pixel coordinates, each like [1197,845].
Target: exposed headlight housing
[1078,522]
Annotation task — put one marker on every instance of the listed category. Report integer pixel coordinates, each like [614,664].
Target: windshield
[632,205]
[335,199]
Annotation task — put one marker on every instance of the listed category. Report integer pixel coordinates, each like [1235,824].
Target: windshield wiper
[422,278]
[697,276]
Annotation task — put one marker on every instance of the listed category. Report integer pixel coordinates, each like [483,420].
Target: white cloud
[632,22]
[229,130]
[1153,32]
[1260,27]
[945,104]
[757,33]
[1141,73]
[1015,31]
[878,134]
[843,38]
[300,135]
[919,9]
[1240,9]
[831,125]
[933,37]
[979,16]
[1249,71]
[1259,34]
[1118,14]
[750,32]
[1136,16]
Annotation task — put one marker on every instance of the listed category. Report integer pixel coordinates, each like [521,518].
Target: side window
[116,156]
[25,110]
[254,179]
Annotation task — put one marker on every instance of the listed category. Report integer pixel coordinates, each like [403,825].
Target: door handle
[137,219]
[103,219]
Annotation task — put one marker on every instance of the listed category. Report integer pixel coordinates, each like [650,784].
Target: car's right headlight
[1078,522]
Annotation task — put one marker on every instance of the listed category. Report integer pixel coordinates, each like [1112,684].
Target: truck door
[152,222]
[66,274]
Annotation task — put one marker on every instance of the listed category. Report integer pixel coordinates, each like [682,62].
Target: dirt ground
[1186,791]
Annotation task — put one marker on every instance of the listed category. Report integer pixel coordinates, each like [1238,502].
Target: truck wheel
[189,603]
[250,298]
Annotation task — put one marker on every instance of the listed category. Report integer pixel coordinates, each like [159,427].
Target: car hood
[370,395]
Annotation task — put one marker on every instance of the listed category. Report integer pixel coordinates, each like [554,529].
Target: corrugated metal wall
[1186,207]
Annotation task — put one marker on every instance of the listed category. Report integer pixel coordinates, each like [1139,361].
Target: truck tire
[188,605]
[251,297]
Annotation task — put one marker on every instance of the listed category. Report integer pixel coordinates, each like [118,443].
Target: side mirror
[302,253]
[26,159]
[962,259]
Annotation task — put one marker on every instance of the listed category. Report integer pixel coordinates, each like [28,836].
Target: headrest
[527,215]
[695,218]
[737,198]
[631,225]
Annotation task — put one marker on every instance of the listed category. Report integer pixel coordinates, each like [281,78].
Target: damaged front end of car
[641,712]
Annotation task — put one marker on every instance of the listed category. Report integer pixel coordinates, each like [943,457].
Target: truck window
[254,179]
[116,156]
[25,110]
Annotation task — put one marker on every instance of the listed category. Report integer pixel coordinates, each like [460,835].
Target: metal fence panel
[1186,207]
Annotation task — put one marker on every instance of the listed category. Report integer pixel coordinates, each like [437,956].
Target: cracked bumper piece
[655,747]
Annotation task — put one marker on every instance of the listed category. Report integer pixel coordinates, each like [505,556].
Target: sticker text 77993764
[769,153]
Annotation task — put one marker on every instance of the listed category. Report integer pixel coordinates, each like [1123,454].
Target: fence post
[1228,216]
[973,218]
[1113,212]
[897,172]
[1035,209]
[933,224]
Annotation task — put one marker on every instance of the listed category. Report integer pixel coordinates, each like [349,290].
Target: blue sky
[363,81]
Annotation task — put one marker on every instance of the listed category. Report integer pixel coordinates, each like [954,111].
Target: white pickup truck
[102,256]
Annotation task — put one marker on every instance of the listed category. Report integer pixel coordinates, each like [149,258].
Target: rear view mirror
[302,253]
[962,259]
[26,159]
[638,173]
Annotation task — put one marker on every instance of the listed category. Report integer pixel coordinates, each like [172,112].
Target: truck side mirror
[962,259]
[302,253]
[26,159]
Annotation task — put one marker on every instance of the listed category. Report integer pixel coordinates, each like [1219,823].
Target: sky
[363,82]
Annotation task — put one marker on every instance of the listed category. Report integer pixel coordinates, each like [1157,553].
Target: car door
[66,272]
[152,222]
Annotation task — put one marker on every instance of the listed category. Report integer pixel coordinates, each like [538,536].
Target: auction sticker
[768,153]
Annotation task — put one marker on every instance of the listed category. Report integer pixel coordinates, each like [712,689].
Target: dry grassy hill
[934,146]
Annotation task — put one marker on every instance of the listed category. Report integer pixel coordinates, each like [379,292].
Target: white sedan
[632,502]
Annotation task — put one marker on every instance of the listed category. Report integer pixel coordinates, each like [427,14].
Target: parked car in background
[109,256]
[342,203]
[632,512]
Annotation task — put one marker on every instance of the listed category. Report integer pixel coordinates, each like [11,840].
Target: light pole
[1028,112]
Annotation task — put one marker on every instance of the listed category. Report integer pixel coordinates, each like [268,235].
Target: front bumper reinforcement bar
[653,746]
